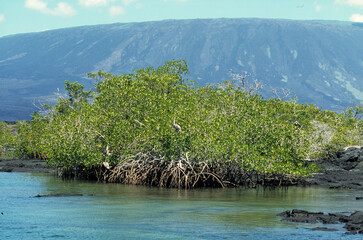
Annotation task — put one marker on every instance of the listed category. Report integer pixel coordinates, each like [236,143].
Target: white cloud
[36,5]
[356,18]
[139,6]
[318,8]
[136,3]
[128,2]
[95,3]
[353,3]
[62,9]
[175,0]
[116,10]
[2,17]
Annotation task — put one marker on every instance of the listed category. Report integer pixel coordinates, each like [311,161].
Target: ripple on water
[109,211]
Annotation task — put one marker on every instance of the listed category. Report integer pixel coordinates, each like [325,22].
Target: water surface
[116,211]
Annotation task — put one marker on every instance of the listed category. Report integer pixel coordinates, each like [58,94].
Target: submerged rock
[324,229]
[59,195]
[297,215]
[353,222]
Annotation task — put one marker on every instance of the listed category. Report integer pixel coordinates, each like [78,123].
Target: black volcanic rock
[321,62]
[345,171]
[59,195]
[353,222]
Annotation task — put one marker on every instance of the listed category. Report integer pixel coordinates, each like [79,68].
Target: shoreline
[25,165]
[344,171]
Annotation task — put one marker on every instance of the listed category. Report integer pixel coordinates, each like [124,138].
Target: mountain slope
[320,62]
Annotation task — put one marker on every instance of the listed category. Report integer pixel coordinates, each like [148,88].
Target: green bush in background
[134,113]
[7,140]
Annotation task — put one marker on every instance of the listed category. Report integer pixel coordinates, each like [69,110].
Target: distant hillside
[320,62]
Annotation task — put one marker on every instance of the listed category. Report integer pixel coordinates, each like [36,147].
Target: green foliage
[330,132]
[354,113]
[6,139]
[3,132]
[134,113]
[77,98]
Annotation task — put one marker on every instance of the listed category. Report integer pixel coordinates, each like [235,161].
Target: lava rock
[324,229]
[353,222]
[58,195]
[298,215]
[345,171]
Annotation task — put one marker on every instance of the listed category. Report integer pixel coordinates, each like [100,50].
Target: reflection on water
[115,211]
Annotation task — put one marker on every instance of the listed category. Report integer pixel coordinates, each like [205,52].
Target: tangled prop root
[154,170]
[161,173]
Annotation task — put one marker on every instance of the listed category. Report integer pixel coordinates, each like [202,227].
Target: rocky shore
[25,165]
[344,171]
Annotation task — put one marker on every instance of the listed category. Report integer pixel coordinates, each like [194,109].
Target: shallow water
[115,211]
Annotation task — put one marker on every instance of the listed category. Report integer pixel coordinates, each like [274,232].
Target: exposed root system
[145,169]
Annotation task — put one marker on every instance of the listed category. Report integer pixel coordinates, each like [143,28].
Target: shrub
[135,113]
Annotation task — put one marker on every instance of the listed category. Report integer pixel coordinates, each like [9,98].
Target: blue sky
[21,16]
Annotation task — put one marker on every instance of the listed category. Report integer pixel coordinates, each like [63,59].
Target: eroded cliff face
[320,62]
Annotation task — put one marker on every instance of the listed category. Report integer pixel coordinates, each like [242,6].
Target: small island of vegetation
[153,127]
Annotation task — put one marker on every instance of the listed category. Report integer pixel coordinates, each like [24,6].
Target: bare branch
[248,87]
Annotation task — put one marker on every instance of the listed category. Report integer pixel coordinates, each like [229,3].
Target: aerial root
[162,173]
[154,170]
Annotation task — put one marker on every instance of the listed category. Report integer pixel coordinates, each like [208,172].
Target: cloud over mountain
[62,9]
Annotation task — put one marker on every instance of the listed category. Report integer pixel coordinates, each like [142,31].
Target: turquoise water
[115,211]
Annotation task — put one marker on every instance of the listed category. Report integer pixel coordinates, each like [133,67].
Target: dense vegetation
[6,140]
[133,114]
